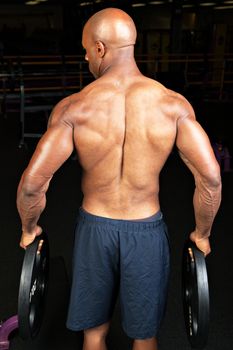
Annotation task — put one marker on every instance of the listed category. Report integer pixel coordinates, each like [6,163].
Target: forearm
[206,202]
[31,201]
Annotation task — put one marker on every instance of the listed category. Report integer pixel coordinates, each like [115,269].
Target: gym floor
[63,200]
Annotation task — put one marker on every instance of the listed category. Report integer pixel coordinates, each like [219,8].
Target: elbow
[217,182]
[29,195]
[215,187]
[25,195]
[30,186]
[213,179]
[27,192]
[26,188]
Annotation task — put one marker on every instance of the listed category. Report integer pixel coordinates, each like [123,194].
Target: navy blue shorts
[119,258]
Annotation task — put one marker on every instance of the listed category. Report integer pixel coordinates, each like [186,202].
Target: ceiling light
[228,2]
[156,2]
[207,4]
[87,3]
[223,7]
[32,2]
[139,4]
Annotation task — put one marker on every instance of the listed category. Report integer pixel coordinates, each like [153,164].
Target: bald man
[123,127]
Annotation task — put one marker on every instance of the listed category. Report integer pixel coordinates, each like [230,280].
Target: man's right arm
[196,152]
[53,149]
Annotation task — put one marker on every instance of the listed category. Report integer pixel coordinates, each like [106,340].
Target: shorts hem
[85,326]
[141,336]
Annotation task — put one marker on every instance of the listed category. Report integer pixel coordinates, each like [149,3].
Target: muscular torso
[124,130]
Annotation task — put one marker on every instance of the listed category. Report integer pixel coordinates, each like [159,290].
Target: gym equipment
[195,291]
[6,328]
[33,287]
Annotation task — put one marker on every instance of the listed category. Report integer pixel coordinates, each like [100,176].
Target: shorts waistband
[121,223]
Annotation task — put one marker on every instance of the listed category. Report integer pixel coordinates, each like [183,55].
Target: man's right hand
[202,243]
[28,237]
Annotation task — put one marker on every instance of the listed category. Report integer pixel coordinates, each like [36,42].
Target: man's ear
[100,48]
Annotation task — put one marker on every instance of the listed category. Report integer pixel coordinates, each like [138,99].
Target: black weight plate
[195,291]
[33,287]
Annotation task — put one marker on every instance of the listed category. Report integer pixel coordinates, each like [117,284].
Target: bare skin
[123,127]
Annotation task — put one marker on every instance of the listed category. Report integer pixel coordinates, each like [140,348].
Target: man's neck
[120,66]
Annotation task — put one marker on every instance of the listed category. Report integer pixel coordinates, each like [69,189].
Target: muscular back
[123,128]
[123,133]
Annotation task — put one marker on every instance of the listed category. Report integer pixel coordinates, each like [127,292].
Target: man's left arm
[54,148]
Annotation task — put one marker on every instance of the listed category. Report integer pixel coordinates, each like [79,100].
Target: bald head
[114,27]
